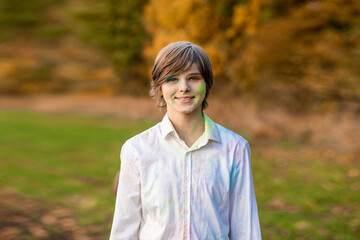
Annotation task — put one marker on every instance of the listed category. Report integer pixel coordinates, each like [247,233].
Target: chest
[169,178]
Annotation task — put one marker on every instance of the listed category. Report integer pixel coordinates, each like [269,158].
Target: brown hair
[174,59]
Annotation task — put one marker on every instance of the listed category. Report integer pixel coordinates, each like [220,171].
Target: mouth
[185,99]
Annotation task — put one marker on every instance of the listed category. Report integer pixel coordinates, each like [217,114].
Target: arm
[116,182]
[127,216]
[244,219]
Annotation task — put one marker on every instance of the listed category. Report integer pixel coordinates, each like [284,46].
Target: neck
[189,127]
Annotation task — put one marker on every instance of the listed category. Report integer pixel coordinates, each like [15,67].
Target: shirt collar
[166,126]
[211,130]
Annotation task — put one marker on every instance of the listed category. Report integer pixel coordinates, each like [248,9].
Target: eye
[171,79]
[194,78]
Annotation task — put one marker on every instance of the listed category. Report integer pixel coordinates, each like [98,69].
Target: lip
[185,99]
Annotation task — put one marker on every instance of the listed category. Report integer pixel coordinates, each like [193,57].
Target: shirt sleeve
[127,216]
[244,219]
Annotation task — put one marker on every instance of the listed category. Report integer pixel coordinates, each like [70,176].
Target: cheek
[167,94]
[201,89]
[164,91]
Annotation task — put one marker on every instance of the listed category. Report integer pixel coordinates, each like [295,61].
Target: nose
[184,85]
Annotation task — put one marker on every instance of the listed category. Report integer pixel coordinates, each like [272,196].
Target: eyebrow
[195,73]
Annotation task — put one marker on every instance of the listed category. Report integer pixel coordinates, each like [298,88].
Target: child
[186,177]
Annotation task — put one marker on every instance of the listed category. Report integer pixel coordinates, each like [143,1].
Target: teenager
[186,177]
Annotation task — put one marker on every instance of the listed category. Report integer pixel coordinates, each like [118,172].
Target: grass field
[71,159]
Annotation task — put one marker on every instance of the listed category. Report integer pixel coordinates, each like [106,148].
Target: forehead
[193,69]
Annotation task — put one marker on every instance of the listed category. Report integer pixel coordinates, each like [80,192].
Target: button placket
[189,193]
[186,195]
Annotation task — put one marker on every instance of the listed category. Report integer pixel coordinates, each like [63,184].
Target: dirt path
[269,124]
[329,135]
[24,218]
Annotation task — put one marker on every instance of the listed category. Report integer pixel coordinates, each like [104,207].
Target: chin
[187,110]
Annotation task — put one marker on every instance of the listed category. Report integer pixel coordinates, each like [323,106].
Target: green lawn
[71,160]
[65,159]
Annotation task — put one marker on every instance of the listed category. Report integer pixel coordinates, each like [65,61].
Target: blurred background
[74,82]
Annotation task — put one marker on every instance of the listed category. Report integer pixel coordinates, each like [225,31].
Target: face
[184,93]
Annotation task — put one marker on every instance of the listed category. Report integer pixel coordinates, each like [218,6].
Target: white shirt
[170,191]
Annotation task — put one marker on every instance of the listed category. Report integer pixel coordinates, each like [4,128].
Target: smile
[184,99]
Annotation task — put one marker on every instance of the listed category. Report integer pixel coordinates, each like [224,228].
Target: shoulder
[236,146]
[230,137]
[142,140]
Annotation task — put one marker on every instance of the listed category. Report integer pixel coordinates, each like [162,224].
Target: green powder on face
[169,79]
[171,100]
[201,89]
